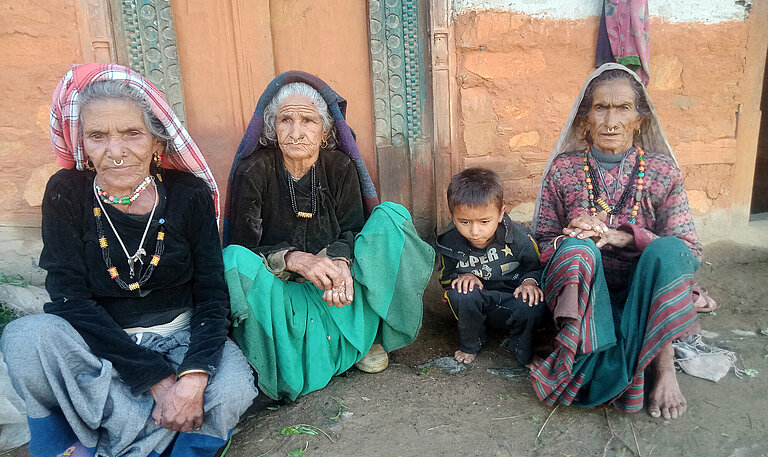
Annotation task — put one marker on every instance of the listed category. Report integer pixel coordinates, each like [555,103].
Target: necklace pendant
[304,215]
[136,258]
[610,220]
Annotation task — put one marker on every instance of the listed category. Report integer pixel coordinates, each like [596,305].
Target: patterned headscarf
[66,139]
[652,136]
[345,137]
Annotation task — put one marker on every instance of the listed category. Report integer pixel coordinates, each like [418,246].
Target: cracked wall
[518,75]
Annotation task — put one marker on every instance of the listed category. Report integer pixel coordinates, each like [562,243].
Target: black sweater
[263,219]
[190,274]
[511,257]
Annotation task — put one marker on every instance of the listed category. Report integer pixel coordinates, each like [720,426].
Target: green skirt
[295,341]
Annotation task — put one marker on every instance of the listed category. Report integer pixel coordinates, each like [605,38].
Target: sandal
[702,302]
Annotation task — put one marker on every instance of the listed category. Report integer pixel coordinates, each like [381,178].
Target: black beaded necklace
[312,191]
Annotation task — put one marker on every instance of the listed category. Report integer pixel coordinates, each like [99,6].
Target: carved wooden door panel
[402,107]
[146,42]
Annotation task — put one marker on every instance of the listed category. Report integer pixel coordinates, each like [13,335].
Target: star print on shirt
[506,250]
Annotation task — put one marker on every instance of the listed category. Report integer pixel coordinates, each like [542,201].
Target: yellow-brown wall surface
[227,55]
[518,76]
[39,41]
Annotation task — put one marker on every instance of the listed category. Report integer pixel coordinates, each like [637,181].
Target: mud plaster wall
[38,43]
[519,74]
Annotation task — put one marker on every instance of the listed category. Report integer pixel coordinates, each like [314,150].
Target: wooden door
[402,107]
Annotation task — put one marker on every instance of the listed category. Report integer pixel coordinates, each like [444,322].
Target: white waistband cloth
[179,322]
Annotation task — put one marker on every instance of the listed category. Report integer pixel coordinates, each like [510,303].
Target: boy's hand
[530,292]
[466,283]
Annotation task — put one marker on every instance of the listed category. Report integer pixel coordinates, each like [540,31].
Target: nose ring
[611,129]
[295,141]
[118,164]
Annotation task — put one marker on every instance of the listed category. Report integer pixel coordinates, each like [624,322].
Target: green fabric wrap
[295,341]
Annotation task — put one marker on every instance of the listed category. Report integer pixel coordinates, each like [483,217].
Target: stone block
[523,140]
[476,105]
[24,300]
[35,187]
[684,101]
[666,73]
[699,201]
[478,138]
[522,213]
[10,151]
[9,194]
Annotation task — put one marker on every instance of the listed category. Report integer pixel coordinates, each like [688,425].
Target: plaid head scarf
[182,154]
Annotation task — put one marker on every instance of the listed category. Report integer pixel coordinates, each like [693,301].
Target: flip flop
[702,302]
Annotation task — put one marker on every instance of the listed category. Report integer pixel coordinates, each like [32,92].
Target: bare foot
[464,357]
[535,362]
[666,400]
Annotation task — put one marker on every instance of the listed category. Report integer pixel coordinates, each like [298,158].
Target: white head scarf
[651,136]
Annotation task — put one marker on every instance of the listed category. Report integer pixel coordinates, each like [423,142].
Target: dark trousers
[481,309]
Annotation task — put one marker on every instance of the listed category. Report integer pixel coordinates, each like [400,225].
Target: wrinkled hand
[529,292]
[466,283]
[586,226]
[343,292]
[179,404]
[332,276]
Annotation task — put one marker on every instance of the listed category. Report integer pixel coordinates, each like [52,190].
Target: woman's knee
[26,336]
[665,247]
[584,250]
[232,389]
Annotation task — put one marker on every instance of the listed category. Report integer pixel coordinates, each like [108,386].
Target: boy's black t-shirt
[511,257]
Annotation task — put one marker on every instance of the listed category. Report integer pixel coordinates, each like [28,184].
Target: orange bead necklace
[594,191]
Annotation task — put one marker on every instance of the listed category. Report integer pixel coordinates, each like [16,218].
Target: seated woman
[131,357]
[312,284]
[615,226]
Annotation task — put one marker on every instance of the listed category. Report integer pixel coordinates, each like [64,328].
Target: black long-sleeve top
[189,275]
[263,219]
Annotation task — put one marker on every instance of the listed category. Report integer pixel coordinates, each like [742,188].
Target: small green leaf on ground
[298,452]
[298,430]
[342,407]
[13,280]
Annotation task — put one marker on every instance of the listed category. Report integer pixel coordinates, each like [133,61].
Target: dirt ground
[407,411]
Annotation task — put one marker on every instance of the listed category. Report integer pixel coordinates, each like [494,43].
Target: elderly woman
[615,228]
[131,356]
[313,285]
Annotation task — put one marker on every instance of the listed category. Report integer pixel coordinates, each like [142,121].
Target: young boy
[490,268]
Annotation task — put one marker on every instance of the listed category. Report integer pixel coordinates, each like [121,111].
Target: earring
[89,165]
[638,131]
[325,144]
[158,160]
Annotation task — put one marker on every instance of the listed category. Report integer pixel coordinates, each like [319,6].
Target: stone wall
[38,43]
[519,73]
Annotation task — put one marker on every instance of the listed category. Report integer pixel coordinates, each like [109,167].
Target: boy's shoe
[375,360]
